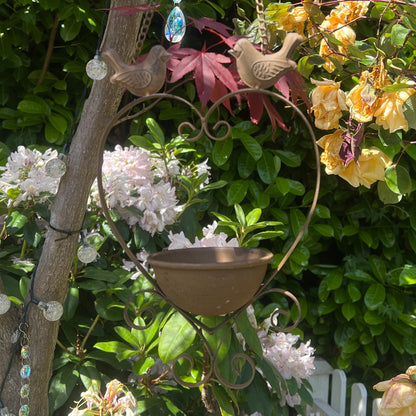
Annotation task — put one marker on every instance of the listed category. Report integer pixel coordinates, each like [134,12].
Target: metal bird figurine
[144,78]
[262,71]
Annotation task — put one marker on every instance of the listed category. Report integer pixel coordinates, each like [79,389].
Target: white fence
[330,393]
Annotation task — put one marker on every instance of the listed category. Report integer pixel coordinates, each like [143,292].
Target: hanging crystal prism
[24,410]
[25,371]
[175,25]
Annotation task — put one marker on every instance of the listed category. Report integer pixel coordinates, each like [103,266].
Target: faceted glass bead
[175,25]
[4,307]
[24,352]
[25,371]
[55,168]
[96,68]
[24,410]
[87,253]
[24,391]
[52,310]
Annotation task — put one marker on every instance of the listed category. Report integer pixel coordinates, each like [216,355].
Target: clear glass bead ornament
[87,253]
[24,410]
[52,310]
[24,391]
[24,352]
[96,68]
[56,168]
[4,307]
[175,25]
[25,371]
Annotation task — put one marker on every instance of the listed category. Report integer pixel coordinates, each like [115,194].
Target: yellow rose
[399,397]
[389,113]
[344,34]
[351,10]
[293,21]
[325,52]
[369,168]
[328,102]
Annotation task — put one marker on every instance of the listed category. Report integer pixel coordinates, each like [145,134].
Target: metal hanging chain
[262,26]
[146,20]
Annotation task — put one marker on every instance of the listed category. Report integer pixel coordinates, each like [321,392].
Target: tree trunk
[67,213]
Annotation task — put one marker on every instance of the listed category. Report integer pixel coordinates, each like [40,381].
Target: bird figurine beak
[234,53]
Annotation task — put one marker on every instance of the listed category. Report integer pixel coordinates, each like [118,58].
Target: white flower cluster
[25,173]
[209,239]
[139,188]
[281,351]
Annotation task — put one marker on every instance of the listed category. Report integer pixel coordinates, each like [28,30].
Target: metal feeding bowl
[210,280]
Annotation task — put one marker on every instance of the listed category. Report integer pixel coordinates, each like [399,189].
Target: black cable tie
[67,232]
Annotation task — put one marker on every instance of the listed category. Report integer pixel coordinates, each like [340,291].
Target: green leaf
[324,229]
[237,191]
[375,296]
[268,167]
[407,275]
[15,222]
[386,195]
[252,146]
[360,276]
[250,334]
[222,151]
[378,267]
[389,139]
[111,346]
[409,111]
[32,234]
[253,216]
[70,29]
[126,335]
[348,310]
[34,107]
[297,220]
[143,364]
[61,386]
[223,400]
[245,165]
[399,34]
[176,337]
[239,212]
[290,159]
[58,122]
[89,373]
[143,142]
[354,292]
[398,179]
[71,303]
[51,134]
[155,131]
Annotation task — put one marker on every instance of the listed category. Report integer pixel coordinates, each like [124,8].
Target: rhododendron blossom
[209,239]
[25,174]
[139,186]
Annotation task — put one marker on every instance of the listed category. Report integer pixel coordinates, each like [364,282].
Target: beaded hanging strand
[24,371]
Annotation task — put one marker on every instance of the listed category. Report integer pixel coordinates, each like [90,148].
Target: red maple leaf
[208,69]
[207,23]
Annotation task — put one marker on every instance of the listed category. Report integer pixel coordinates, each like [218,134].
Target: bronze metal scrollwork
[192,131]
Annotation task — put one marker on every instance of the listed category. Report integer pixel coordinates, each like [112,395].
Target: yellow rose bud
[389,113]
[399,397]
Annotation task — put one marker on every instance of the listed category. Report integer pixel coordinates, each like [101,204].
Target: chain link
[262,26]
[146,20]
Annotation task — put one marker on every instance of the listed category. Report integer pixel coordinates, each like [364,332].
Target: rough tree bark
[67,213]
